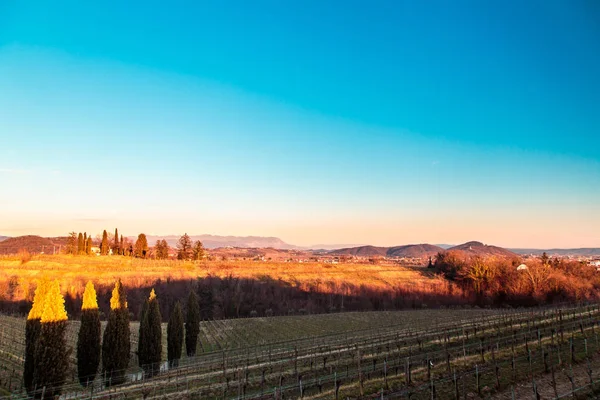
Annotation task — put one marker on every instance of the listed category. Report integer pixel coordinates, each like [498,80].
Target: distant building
[522,267]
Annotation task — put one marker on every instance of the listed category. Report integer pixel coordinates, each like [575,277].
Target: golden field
[18,278]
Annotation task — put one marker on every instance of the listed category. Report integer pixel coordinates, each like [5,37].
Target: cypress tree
[141,352]
[116,340]
[116,243]
[88,247]
[104,244]
[192,324]
[175,336]
[88,340]
[150,337]
[85,250]
[33,329]
[51,354]
[122,246]
[80,243]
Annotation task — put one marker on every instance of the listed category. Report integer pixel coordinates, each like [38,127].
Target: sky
[380,122]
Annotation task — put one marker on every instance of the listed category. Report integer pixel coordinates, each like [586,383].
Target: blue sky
[318,122]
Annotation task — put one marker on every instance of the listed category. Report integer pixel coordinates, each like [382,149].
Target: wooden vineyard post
[360,375]
[447,359]
[431,385]
[464,349]
[571,377]
[428,368]
[295,360]
[553,382]
[477,380]
[281,386]
[407,372]
[513,367]
[558,352]
[496,369]
[456,392]
[385,380]
[481,350]
[560,325]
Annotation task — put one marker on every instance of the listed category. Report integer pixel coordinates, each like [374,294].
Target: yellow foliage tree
[38,299]
[90,302]
[54,305]
[117,300]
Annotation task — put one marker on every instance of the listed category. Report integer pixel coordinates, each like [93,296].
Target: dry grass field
[18,278]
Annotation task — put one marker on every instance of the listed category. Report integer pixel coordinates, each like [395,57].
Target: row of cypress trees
[46,353]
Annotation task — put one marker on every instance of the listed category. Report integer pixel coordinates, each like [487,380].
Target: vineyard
[454,353]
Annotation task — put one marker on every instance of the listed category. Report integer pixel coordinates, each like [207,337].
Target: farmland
[75,271]
[236,289]
[405,353]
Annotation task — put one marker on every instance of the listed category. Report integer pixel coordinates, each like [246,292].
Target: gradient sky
[315,121]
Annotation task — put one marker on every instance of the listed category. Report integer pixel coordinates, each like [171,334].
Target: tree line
[501,281]
[82,244]
[47,355]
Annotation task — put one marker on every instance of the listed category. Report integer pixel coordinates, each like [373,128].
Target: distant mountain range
[214,241]
[37,244]
[584,252]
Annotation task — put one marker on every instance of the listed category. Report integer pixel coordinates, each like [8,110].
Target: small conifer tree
[104,244]
[80,243]
[175,336]
[71,247]
[116,247]
[88,247]
[88,340]
[192,324]
[116,340]
[122,246]
[150,336]
[85,251]
[33,329]
[51,353]
[198,250]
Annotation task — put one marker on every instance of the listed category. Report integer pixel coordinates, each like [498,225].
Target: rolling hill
[31,243]
[3,238]
[414,251]
[361,251]
[409,251]
[479,249]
